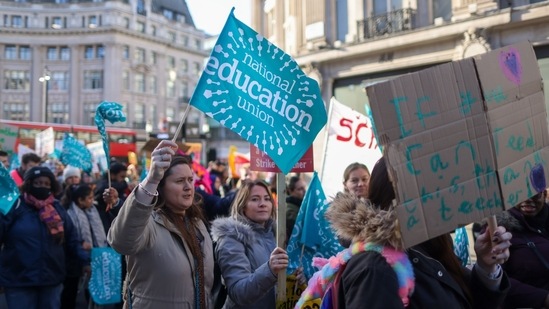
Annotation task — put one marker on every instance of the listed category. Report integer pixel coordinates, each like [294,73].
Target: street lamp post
[44,79]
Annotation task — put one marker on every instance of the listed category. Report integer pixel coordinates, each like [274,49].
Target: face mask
[40,193]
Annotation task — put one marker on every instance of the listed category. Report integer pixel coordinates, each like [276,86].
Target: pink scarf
[48,215]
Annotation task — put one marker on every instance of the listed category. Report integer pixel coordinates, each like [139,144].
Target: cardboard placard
[461,138]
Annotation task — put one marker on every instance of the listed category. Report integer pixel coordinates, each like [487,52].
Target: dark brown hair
[187,224]
[381,193]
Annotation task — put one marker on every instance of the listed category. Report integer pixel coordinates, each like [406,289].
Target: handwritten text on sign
[451,158]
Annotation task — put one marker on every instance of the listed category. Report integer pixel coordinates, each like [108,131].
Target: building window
[197,44]
[126,23]
[16,21]
[139,80]
[65,53]
[139,114]
[184,65]
[16,111]
[153,30]
[17,80]
[168,14]
[139,55]
[89,113]
[51,53]
[57,23]
[92,21]
[185,90]
[185,40]
[170,89]
[154,57]
[152,85]
[59,81]
[141,7]
[197,70]
[141,26]
[126,52]
[88,52]
[10,52]
[58,112]
[181,18]
[126,80]
[172,36]
[171,62]
[100,52]
[93,79]
[24,53]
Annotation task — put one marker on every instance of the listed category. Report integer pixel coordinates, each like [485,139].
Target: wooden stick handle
[492,225]
[180,126]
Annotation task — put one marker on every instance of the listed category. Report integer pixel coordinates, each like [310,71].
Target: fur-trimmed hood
[359,220]
[509,220]
[242,230]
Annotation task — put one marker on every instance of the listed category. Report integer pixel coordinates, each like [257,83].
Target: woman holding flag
[161,230]
[246,248]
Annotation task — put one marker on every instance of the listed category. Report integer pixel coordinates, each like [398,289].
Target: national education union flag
[254,88]
[312,235]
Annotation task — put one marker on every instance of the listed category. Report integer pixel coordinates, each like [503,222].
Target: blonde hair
[243,196]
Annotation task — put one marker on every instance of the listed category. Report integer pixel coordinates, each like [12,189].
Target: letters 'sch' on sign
[464,140]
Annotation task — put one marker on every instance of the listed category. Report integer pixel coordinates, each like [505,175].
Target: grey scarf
[89,225]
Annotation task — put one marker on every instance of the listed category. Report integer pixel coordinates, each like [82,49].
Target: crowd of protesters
[162,224]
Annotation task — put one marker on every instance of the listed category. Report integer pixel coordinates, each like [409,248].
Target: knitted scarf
[88,225]
[48,215]
[323,279]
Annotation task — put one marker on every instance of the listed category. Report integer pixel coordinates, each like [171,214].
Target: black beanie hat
[38,171]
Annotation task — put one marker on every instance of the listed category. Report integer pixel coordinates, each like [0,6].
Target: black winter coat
[368,281]
[529,277]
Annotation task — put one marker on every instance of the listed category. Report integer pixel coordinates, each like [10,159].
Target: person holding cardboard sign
[528,265]
[440,281]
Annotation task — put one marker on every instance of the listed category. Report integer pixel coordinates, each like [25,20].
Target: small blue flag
[312,233]
[254,88]
[112,112]
[144,171]
[76,154]
[9,193]
[106,277]
[461,245]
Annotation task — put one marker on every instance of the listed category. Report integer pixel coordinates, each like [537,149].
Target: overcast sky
[211,15]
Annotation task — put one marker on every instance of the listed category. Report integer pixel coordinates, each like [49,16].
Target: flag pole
[178,131]
[281,232]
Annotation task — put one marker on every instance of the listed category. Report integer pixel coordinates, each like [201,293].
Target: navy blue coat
[29,256]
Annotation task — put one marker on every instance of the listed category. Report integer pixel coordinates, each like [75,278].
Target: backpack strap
[532,246]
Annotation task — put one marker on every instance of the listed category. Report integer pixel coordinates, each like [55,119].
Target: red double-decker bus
[121,140]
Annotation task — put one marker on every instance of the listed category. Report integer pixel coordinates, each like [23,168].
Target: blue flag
[258,91]
[312,235]
[112,112]
[9,193]
[76,154]
[106,278]
[461,245]
[144,171]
